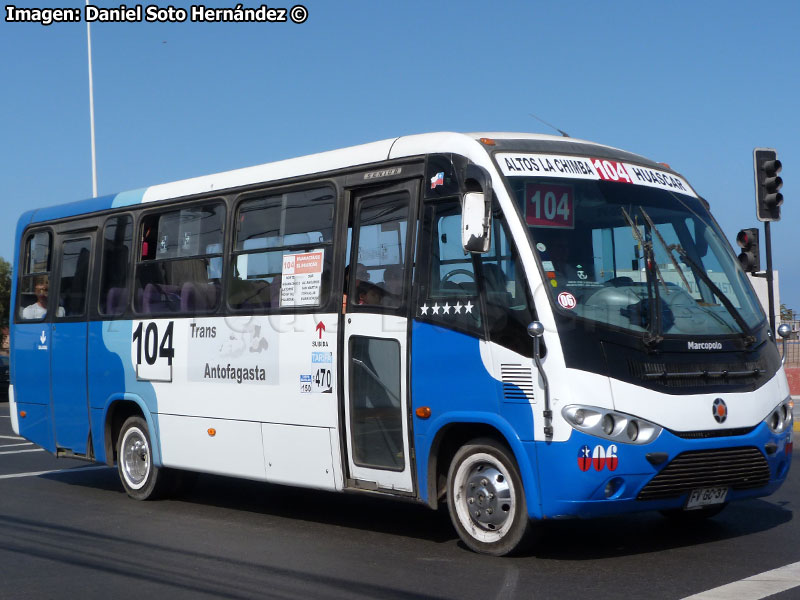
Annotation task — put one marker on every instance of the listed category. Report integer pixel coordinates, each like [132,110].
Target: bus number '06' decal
[154,351]
[600,458]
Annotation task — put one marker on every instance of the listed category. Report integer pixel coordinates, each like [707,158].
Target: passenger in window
[369,293]
[38,310]
[362,275]
[393,280]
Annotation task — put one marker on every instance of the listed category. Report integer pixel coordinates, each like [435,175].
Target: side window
[462,289]
[75,255]
[117,245]
[282,251]
[505,293]
[34,284]
[382,238]
[180,260]
[449,295]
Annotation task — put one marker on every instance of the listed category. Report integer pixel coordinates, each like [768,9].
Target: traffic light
[768,184]
[749,257]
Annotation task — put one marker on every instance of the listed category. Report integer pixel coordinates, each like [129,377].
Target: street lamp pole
[91,108]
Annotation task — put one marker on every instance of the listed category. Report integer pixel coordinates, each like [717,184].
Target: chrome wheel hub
[136,458]
[488,497]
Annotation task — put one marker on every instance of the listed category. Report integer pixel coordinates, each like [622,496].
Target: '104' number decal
[600,458]
[549,205]
[153,351]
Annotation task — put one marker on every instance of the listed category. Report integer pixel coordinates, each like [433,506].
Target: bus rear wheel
[485,498]
[141,479]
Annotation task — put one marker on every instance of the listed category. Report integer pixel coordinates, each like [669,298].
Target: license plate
[706,497]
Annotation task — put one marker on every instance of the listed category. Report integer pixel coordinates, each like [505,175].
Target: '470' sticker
[600,458]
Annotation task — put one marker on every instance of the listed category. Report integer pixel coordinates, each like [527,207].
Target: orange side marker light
[212,432]
[424,412]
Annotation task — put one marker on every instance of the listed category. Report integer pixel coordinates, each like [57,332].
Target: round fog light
[774,421]
[608,424]
[632,431]
[614,487]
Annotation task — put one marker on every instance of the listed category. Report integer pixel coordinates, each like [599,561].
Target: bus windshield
[639,258]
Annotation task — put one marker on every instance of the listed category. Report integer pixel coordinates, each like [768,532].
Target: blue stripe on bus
[72,209]
[448,375]
[112,379]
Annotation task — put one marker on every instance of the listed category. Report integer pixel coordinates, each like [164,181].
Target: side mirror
[476,209]
[475,223]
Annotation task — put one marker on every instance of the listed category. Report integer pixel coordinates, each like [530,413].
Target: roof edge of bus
[283,169]
[362,154]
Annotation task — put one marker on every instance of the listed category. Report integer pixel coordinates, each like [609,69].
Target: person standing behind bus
[38,310]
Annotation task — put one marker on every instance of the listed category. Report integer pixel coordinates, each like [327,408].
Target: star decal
[446,309]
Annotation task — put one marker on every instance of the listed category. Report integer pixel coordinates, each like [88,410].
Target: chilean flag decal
[611,458]
[599,457]
[584,458]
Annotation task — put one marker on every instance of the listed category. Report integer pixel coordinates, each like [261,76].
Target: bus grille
[739,468]
[678,375]
[712,433]
[517,383]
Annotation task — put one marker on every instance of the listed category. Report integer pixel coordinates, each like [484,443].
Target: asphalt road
[75,534]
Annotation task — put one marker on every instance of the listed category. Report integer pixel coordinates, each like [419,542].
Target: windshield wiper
[653,334]
[701,273]
[666,247]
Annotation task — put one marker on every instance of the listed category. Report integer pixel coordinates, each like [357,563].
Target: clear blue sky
[694,84]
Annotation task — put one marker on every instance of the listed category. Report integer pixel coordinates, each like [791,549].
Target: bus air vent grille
[677,375]
[713,433]
[517,383]
[738,468]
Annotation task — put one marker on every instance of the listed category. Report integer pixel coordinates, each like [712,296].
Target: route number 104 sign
[549,205]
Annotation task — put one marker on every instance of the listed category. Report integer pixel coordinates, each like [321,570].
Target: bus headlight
[610,424]
[780,418]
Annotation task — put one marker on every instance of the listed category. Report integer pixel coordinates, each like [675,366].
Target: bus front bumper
[587,476]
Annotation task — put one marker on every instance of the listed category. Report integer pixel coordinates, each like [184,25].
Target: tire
[486,499]
[141,479]
[678,515]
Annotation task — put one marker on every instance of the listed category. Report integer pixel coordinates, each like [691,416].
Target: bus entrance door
[376,403]
[68,360]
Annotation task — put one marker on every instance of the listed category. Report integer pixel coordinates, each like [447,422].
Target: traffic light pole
[770,292]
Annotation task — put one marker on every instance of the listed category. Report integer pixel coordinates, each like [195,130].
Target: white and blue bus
[521,327]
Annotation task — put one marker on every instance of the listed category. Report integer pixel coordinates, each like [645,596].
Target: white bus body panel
[12,410]
[301,456]
[203,381]
[694,413]
[235,448]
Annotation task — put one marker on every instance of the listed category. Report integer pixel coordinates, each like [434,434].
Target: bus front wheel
[485,498]
[141,479]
